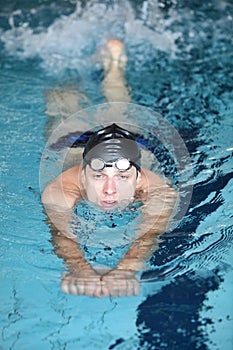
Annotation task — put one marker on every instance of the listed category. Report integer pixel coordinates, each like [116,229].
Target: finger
[65,283]
[136,287]
[73,288]
[118,290]
[105,291]
[123,289]
[131,288]
[67,287]
[111,289]
[97,292]
[64,287]
[80,286]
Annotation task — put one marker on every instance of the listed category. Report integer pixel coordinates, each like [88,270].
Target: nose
[110,186]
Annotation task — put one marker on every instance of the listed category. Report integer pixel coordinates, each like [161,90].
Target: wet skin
[110,188]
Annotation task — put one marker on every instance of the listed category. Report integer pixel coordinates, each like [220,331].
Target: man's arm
[158,209]
[59,198]
[160,204]
[81,278]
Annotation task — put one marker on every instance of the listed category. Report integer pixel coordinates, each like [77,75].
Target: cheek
[127,189]
[92,190]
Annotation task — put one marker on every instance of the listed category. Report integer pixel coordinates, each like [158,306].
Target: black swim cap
[110,144]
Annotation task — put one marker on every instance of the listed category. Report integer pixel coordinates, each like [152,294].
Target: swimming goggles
[121,164]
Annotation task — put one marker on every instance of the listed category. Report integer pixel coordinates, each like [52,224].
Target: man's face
[110,188]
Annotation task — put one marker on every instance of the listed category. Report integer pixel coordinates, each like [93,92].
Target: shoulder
[71,176]
[158,194]
[153,184]
[149,178]
[65,190]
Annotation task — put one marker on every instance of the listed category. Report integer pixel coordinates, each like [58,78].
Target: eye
[98,176]
[123,177]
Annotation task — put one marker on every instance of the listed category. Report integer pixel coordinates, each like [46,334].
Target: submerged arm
[160,203]
[157,212]
[81,278]
[69,250]
[59,199]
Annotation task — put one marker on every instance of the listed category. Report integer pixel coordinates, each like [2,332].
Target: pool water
[179,65]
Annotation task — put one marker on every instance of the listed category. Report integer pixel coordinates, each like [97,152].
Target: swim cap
[110,144]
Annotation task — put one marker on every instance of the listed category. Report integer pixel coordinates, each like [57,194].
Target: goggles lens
[121,164]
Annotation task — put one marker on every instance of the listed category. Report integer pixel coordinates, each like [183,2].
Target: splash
[73,38]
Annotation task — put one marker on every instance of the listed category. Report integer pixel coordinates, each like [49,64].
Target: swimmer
[110,178]
[106,187]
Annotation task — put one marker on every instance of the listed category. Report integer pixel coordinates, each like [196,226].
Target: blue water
[179,65]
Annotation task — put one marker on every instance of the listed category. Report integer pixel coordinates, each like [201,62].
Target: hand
[84,282]
[120,283]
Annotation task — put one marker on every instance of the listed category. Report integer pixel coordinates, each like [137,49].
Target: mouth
[108,204]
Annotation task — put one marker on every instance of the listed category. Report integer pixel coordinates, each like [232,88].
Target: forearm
[64,240]
[81,278]
[139,253]
[60,220]
[156,218]
[70,252]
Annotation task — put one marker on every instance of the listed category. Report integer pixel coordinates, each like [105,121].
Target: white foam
[70,39]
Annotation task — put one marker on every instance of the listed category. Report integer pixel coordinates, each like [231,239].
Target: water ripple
[204,254]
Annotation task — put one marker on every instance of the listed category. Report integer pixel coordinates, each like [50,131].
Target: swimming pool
[179,65]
